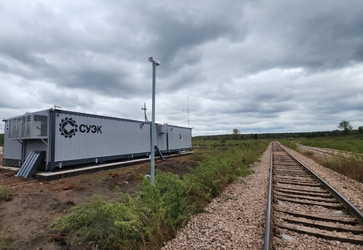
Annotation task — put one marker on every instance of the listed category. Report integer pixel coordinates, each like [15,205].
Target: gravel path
[236,219]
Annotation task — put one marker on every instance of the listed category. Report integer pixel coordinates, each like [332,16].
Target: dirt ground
[35,205]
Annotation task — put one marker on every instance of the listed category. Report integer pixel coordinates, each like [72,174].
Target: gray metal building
[57,138]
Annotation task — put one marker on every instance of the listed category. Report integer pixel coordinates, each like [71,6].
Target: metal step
[31,164]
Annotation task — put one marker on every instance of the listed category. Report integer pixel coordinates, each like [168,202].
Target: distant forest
[290,135]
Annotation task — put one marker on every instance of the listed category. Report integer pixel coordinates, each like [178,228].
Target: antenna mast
[188,109]
[144,108]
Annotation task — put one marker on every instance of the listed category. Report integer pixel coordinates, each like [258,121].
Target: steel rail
[268,229]
[355,212]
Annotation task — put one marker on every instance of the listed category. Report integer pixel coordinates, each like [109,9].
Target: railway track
[301,203]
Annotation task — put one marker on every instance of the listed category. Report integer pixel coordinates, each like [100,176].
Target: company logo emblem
[68,127]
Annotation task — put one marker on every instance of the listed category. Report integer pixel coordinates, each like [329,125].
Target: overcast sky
[258,66]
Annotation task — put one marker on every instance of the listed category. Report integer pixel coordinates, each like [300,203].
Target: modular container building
[64,138]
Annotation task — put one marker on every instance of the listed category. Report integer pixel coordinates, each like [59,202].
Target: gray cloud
[259,66]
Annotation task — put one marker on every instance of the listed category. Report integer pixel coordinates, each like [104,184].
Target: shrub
[5,194]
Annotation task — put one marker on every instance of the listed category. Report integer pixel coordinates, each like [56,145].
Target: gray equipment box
[72,138]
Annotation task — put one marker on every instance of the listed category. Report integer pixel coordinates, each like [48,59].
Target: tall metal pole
[152,146]
[153,129]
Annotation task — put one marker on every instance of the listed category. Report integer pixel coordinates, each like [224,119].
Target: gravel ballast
[236,219]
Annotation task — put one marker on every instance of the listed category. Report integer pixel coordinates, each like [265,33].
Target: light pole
[152,146]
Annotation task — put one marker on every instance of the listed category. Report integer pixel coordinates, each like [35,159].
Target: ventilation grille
[24,127]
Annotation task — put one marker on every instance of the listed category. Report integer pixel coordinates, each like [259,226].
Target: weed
[349,166]
[307,153]
[5,194]
[290,144]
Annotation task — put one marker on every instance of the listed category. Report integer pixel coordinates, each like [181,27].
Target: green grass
[352,144]
[157,212]
[289,143]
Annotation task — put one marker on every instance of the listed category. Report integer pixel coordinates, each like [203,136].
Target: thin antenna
[144,108]
[188,108]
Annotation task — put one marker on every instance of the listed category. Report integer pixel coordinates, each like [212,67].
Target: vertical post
[152,174]
[152,145]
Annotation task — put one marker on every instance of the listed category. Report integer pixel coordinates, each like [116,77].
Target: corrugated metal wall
[82,137]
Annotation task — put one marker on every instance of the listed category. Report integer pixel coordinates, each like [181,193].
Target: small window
[181,137]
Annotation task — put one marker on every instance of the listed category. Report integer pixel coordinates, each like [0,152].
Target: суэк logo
[68,127]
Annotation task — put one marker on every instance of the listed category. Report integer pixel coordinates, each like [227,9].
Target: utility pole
[152,147]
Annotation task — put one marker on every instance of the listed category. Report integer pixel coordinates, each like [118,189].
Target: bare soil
[35,205]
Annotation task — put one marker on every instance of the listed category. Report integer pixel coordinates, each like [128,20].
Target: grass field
[352,144]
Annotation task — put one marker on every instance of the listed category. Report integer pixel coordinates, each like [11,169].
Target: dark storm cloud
[178,35]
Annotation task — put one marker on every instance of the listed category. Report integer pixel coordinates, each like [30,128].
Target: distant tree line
[2,140]
[344,126]
[290,135]
[252,136]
